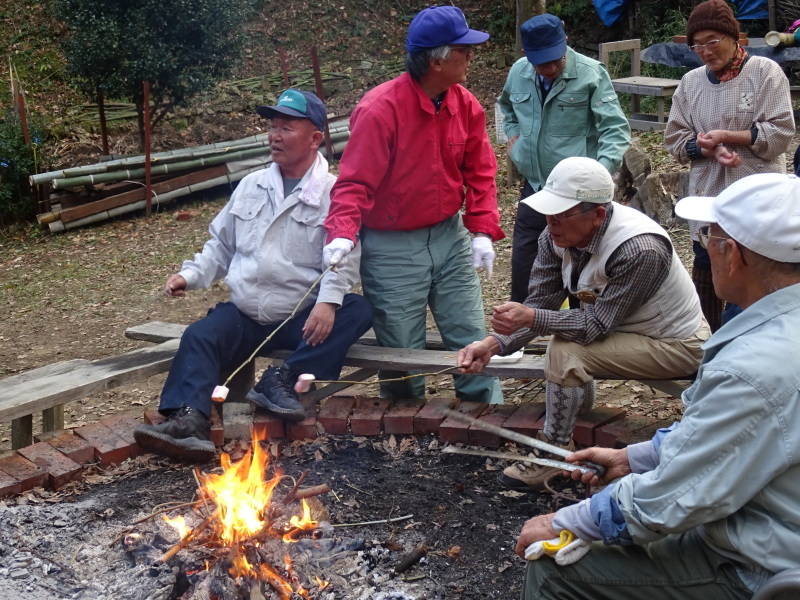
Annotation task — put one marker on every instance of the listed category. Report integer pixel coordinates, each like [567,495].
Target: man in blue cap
[267,244]
[556,104]
[419,153]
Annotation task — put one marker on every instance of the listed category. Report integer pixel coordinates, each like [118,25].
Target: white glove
[482,254]
[335,253]
[565,549]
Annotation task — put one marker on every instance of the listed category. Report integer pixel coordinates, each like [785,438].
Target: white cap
[761,212]
[572,181]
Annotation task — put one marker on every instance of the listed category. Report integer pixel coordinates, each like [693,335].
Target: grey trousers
[679,567]
[403,273]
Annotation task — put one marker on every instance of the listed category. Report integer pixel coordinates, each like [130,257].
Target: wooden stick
[290,496]
[185,541]
[412,558]
[314,490]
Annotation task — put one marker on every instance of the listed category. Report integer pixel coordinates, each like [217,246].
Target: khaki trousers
[624,355]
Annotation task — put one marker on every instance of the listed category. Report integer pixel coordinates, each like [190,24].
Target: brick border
[58,457]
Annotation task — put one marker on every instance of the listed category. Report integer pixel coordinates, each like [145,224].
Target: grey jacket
[269,249]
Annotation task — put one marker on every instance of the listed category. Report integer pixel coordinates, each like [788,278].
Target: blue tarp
[751,9]
[610,11]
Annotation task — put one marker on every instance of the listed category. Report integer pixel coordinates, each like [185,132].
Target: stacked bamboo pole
[115,187]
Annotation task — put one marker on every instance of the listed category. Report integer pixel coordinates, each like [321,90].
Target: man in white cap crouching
[639,315]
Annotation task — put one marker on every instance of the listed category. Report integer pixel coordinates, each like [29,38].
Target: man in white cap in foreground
[639,315]
[710,507]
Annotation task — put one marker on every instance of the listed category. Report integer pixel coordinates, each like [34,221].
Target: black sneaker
[275,393]
[186,434]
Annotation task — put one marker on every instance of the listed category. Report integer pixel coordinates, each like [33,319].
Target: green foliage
[572,11]
[17,163]
[182,47]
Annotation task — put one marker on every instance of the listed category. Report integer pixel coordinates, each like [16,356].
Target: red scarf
[734,67]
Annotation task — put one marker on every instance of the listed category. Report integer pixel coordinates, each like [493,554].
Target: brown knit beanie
[714,14]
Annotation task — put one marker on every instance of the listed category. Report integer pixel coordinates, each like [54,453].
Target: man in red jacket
[418,154]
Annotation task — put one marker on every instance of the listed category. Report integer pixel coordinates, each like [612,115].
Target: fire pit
[350,543]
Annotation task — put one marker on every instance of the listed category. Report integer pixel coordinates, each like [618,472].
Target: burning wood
[250,534]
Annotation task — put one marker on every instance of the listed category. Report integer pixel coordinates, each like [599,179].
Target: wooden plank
[40,389]
[428,361]
[160,331]
[137,195]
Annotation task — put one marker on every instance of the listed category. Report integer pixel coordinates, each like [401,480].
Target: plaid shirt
[635,272]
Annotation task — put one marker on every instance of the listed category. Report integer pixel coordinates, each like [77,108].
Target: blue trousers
[223,339]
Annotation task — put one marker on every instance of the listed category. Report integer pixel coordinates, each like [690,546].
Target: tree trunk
[525,10]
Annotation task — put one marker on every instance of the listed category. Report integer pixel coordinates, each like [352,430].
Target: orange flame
[179,524]
[241,494]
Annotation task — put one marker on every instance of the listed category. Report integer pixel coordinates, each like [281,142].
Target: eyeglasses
[703,236]
[710,45]
[464,49]
[558,218]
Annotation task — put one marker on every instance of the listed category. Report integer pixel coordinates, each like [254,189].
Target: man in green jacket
[556,104]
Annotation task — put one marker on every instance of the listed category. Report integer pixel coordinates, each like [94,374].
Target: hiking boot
[185,434]
[530,477]
[275,393]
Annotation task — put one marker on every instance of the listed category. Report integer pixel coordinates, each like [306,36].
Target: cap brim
[548,203]
[268,112]
[472,37]
[545,55]
[696,208]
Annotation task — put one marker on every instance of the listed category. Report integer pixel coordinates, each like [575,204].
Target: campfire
[252,542]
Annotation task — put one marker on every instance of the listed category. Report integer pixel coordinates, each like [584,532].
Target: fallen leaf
[454,552]
[511,494]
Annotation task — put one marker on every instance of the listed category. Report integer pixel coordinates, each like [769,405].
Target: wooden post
[23,118]
[21,432]
[525,10]
[773,21]
[321,94]
[101,110]
[147,187]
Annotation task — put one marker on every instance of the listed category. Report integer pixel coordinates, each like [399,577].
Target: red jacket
[406,166]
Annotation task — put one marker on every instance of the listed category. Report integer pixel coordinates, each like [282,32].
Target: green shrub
[18,161]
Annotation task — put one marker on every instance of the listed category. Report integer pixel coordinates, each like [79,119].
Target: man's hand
[534,530]
[335,253]
[615,462]
[510,143]
[176,285]
[727,158]
[473,358]
[483,254]
[318,326]
[511,316]
[712,139]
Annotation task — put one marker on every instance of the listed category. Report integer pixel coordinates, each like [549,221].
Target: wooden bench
[48,388]
[637,86]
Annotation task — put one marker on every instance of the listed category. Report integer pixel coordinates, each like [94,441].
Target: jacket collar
[425,103]
[311,186]
[569,72]
[767,308]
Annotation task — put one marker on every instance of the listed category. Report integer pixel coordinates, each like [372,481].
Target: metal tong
[586,467]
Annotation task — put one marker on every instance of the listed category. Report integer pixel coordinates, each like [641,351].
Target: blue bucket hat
[543,39]
[441,26]
[297,104]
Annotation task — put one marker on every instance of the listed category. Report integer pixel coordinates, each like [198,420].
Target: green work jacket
[580,116]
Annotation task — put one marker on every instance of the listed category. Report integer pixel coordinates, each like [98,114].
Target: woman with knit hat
[729,119]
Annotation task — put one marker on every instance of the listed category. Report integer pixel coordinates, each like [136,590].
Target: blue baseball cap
[298,104]
[441,26]
[543,39]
